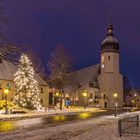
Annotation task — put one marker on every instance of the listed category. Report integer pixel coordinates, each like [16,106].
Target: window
[104,96]
[103,59]
[103,66]
[11,99]
[108,57]
[42,90]
[41,101]
[8,85]
[0,60]
[91,96]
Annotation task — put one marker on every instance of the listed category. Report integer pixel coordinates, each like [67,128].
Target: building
[103,82]
[7,71]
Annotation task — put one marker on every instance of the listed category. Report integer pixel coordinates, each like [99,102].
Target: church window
[103,59]
[42,90]
[103,66]
[41,101]
[108,57]
[91,96]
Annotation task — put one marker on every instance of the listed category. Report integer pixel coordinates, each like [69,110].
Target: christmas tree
[26,86]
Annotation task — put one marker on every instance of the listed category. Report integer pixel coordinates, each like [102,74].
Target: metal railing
[129,125]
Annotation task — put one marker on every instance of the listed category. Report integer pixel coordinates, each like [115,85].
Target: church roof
[84,76]
[109,39]
[8,69]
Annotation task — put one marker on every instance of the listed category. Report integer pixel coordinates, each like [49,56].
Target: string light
[26,86]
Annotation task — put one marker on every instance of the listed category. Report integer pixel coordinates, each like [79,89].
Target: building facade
[103,82]
[7,71]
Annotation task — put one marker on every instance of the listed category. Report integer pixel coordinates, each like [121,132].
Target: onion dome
[110,43]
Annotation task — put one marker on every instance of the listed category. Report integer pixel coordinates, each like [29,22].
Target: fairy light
[26,86]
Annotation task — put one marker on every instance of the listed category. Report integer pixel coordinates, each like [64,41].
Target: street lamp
[57,94]
[84,96]
[6,91]
[115,96]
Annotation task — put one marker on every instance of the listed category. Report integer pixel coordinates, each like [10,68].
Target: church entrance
[105,104]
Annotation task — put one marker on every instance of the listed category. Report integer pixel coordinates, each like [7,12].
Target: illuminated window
[103,66]
[103,59]
[8,85]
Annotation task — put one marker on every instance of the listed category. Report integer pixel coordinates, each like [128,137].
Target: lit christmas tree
[26,86]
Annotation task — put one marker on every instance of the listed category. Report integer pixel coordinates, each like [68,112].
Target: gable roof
[8,69]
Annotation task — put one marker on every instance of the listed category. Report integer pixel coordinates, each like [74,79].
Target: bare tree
[59,67]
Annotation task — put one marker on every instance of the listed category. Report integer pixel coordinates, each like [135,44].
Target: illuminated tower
[110,79]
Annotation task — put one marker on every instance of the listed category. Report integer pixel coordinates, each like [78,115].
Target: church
[100,84]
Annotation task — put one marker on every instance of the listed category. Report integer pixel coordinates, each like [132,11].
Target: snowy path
[101,128]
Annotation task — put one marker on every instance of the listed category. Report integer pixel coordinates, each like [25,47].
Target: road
[47,121]
[79,125]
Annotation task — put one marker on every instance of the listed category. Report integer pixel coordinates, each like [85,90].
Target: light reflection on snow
[6,126]
[84,115]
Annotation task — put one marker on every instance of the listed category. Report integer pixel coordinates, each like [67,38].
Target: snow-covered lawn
[101,128]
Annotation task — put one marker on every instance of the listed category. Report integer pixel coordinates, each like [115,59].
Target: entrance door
[50,98]
[105,104]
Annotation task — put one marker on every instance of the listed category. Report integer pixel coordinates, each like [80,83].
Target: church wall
[111,83]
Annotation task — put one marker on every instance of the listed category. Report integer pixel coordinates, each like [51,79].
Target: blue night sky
[80,25]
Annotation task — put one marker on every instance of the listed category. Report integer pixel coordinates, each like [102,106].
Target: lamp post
[6,91]
[115,96]
[135,96]
[84,96]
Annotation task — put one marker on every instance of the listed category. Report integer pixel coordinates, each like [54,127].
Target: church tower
[110,80]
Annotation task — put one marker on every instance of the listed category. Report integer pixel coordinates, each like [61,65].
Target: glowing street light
[115,96]
[57,94]
[6,91]
[84,96]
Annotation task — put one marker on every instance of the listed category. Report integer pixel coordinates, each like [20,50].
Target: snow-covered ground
[101,128]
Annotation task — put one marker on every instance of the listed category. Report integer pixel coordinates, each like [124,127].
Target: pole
[115,107]
[84,103]
[6,109]
[61,99]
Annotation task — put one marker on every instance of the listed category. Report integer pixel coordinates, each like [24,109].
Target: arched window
[91,95]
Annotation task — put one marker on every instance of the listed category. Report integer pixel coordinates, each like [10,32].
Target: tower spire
[110,27]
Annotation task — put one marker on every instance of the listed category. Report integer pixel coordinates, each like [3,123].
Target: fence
[129,125]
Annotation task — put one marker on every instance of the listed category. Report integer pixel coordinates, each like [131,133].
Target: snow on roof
[84,76]
[8,69]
